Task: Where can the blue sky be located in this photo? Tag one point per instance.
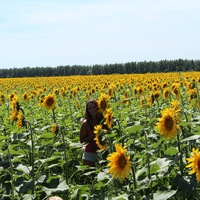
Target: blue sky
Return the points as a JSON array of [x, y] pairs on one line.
[[86, 32]]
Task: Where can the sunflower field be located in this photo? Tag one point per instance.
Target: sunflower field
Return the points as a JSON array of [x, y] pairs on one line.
[[149, 151]]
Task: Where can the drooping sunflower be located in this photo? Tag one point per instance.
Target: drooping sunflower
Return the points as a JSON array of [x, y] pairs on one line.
[[20, 119], [100, 141], [151, 99], [194, 163], [176, 91], [109, 118], [166, 93], [49, 102], [15, 109], [119, 163], [168, 124], [103, 103], [54, 129]]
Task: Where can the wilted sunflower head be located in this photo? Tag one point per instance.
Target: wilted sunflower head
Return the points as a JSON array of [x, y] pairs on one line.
[[119, 163], [49, 102], [168, 124], [54, 129], [20, 119], [194, 163], [109, 118], [103, 102]]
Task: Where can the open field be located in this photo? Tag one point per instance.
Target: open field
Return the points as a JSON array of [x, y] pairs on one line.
[[154, 117]]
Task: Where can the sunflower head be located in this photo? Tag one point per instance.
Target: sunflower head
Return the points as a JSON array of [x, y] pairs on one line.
[[109, 118], [103, 102], [166, 93], [54, 129], [168, 124], [175, 104], [119, 163], [2, 98], [20, 119], [100, 140], [49, 102], [25, 96], [194, 163]]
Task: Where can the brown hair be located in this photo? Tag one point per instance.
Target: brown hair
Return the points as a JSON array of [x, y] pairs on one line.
[[88, 116]]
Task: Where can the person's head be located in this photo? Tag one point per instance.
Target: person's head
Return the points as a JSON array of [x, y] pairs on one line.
[[91, 109]]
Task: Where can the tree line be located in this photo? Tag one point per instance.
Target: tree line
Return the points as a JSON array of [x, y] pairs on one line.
[[179, 65]]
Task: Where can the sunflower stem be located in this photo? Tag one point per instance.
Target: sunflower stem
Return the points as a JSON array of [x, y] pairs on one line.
[[65, 155], [181, 155], [54, 116], [11, 165], [70, 110], [32, 157], [11, 173], [134, 181], [148, 163]]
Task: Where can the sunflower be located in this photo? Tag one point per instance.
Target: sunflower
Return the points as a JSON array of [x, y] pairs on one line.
[[20, 119], [144, 102], [156, 94], [166, 93], [176, 91], [102, 144], [25, 96], [194, 163], [151, 99], [54, 129], [12, 96], [109, 118], [103, 102], [2, 98], [168, 124], [15, 109], [119, 163], [175, 105], [49, 102]]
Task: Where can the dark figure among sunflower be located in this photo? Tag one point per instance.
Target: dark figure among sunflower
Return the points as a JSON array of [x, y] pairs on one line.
[[92, 118]]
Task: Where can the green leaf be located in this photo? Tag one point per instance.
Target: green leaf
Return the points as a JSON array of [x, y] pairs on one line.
[[154, 168], [61, 187], [24, 168], [134, 128], [162, 195], [28, 196], [46, 135], [121, 197], [49, 159], [171, 151], [101, 176], [3, 137], [193, 137], [130, 141]]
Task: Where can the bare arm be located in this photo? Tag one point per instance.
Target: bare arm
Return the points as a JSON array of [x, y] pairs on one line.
[[83, 133]]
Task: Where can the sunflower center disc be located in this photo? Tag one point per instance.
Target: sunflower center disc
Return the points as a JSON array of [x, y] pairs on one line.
[[169, 123]]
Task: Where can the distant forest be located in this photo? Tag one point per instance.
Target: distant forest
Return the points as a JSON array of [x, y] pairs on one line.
[[179, 65]]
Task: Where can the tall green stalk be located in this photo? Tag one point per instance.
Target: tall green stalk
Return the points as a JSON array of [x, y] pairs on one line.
[[148, 163], [32, 157], [10, 162]]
